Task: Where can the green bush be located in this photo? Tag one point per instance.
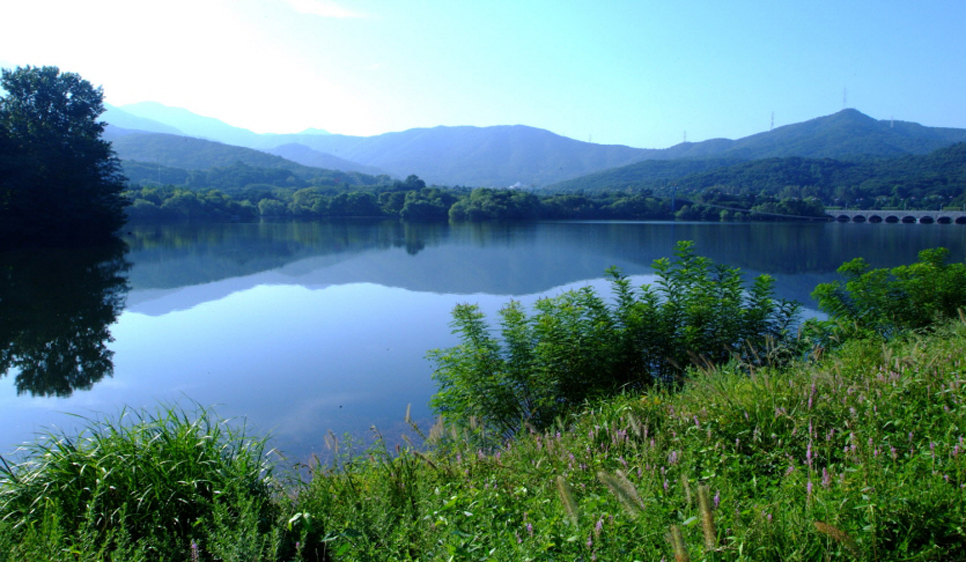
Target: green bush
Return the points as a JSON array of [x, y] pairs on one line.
[[578, 346], [886, 301]]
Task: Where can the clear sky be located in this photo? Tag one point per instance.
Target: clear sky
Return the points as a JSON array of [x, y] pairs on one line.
[[639, 73]]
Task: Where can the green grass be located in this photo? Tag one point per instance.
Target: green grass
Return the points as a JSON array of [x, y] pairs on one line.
[[138, 486], [858, 455]]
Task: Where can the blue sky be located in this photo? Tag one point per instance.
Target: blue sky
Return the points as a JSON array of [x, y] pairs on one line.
[[615, 72]]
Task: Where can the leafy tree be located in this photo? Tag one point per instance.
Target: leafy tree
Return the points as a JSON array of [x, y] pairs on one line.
[[60, 179], [577, 345]]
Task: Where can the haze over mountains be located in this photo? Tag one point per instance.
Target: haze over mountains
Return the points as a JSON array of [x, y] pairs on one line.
[[498, 156]]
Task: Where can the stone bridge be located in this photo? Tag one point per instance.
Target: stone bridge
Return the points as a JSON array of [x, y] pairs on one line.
[[899, 217]]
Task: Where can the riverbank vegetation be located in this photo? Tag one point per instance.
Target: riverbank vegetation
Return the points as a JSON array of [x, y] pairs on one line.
[[852, 450]]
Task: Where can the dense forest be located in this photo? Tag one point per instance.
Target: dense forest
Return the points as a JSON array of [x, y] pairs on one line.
[[928, 181], [413, 200]]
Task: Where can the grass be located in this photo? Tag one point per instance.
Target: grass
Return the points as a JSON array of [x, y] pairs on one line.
[[858, 455], [138, 486]]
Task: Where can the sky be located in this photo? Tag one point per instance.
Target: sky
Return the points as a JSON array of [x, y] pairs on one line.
[[642, 73]]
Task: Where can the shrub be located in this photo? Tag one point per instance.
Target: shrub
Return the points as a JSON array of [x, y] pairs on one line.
[[887, 301], [578, 346]]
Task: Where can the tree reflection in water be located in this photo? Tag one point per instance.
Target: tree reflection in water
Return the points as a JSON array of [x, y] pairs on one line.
[[56, 309]]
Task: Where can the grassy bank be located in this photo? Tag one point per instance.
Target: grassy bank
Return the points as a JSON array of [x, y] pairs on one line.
[[856, 456]]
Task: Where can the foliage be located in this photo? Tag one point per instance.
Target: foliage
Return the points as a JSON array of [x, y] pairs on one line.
[[160, 480], [577, 346], [58, 179], [888, 301], [859, 456]]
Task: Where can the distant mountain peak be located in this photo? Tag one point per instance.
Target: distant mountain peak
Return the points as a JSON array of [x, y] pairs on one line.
[[314, 131]]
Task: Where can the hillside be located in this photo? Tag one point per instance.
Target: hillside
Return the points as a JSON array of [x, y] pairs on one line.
[[306, 156], [916, 181], [479, 156], [196, 154]]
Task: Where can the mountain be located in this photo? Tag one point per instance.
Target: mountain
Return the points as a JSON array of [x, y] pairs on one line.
[[117, 117], [497, 156], [192, 124], [501, 156], [308, 157], [475, 156], [180, 155], [846, 135]]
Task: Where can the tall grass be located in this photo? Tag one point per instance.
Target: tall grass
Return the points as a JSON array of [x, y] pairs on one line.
[[155, 485]]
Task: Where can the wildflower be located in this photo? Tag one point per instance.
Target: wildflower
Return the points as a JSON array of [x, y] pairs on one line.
[[826, 478], [717, 498], [599, 526], [529, 528]]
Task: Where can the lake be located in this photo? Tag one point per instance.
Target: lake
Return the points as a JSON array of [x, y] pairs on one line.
[[305, 327]]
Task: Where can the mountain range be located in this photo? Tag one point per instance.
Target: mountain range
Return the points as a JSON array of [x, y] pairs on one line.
[[499, 156]]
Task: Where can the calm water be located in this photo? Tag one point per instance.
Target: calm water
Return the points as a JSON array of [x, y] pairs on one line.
[[302, 328]]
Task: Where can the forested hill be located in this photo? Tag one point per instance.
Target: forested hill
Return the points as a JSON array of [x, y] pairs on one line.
[[918, 181], [177, 160], [847, 133]]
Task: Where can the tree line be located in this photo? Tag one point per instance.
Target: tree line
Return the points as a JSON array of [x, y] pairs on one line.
[[413, 200]]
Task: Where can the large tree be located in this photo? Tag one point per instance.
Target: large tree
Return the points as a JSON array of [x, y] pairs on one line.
[[58, 178]]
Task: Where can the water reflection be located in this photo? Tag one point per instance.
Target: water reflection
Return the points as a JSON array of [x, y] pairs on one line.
[[56, 307]]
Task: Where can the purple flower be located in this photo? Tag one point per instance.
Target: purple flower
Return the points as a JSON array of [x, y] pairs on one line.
[[530, 528], [826, 478], [717, 498]]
